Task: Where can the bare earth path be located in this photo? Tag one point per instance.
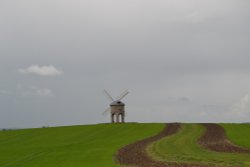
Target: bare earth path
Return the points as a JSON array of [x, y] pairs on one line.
[[215, 139], [135, 154]]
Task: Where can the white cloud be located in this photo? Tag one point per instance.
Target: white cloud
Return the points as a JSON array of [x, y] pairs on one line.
[[41, 70], [242, 108], [44, 92], [36, 91]]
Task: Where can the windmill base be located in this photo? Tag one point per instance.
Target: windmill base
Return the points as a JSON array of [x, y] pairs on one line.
[[117, 116]]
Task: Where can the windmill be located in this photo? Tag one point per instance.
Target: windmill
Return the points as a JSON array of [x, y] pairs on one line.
[[117, 107]]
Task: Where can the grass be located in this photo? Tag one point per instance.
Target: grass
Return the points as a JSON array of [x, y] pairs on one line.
[[96, 145], [183, 148], [238, 134], [73, 146]]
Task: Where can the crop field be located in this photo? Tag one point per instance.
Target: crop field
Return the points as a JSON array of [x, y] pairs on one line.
[[73, 146], [183, 147], [104, 145], [238, 133]]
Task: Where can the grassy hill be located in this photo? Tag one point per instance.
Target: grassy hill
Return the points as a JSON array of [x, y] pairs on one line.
[[96, 145], [73, 146], [183, 148], [238, 134]]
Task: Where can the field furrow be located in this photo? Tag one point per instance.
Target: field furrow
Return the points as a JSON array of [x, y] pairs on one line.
[[215, 139], [135, 154], [109, 145], [184, 147]]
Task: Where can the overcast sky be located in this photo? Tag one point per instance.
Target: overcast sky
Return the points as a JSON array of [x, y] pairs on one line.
[[181, 60]]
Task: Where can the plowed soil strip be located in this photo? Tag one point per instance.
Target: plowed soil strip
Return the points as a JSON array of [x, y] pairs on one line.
[[135, 154], [215, 139]]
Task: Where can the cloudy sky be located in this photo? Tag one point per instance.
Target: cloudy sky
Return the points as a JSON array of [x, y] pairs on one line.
[[181, 60]]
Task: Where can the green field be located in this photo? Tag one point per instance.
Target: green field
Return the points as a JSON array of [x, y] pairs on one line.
[[73, 146], [239, 134], [96, 145], [183, 147]]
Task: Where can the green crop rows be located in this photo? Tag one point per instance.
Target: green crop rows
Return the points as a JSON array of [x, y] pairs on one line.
[[75, 146], [183, 147], [96, 145]]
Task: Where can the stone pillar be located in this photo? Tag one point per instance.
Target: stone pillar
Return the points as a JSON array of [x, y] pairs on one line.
[[112, 118], [117, 118], [122, 115]]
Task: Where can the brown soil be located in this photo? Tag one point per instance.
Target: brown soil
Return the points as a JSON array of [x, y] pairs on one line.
[[135, 154], [215, 139]]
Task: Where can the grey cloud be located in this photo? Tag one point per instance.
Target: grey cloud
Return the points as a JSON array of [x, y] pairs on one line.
[[175, 57], [4, 92], [35, 91]]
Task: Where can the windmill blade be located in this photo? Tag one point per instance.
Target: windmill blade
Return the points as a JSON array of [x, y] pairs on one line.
[[108, 95], [106, 111], [122, 95]]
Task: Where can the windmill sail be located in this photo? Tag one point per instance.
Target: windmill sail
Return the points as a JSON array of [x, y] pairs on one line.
[[106, 111], [122, 95], [108, 95]]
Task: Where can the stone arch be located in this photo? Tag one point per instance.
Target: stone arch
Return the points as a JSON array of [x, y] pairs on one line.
[[117, 118], [122, 117], [112, 118]]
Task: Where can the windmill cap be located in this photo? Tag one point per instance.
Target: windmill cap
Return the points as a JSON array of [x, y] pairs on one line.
[[117, 103]]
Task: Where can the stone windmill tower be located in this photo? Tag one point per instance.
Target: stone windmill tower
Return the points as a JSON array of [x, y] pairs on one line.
[[117, 108]]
